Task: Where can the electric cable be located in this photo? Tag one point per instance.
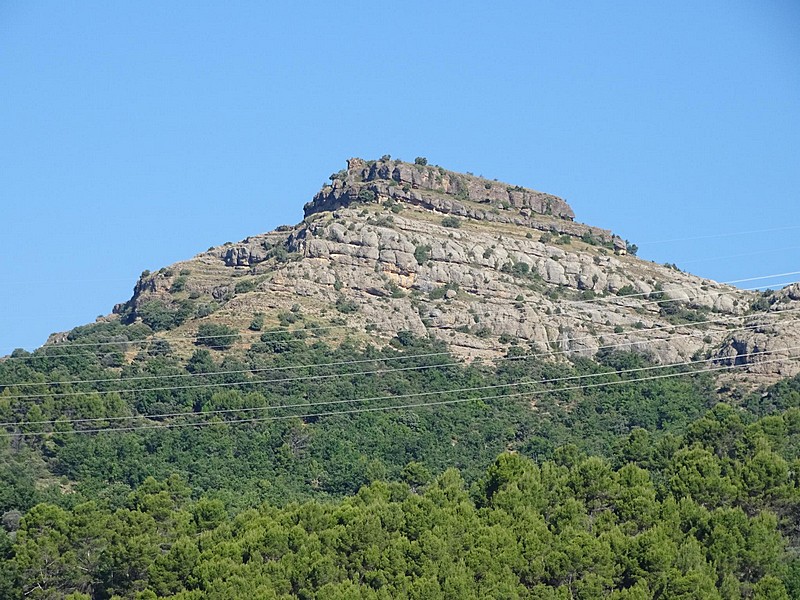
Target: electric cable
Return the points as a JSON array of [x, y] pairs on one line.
[[719, 235], [371, 409], [411, 395], [275, 331], [343, 374], [358, 327], [410, 356]]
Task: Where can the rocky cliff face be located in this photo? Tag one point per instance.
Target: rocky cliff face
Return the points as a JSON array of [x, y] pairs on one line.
[[442, 191], [391, 247]]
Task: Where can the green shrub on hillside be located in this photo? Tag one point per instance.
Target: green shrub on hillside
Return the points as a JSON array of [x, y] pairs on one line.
[[244, 286], [257, 324], [216, 336], [422, 253], [178, 284], [346, 306], [161, 316], [451, 221], [366, 195]]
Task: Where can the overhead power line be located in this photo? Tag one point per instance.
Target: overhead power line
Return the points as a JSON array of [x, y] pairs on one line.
[[410, 395], [719, 235], [275, 331], [342, 374], [724, 320], [708, 293], [714, 292], [157, 338], [659, 302], [742, 255], [375, 409]]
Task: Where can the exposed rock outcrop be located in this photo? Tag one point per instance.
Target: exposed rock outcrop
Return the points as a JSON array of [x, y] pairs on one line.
[[442, 191], [377, 255]]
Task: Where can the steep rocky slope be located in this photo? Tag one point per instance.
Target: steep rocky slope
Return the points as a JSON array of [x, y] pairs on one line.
[[390, 247]]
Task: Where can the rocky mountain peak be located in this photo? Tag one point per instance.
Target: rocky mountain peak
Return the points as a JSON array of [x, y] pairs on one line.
[[462, 195], [420, 183], [390, 248]]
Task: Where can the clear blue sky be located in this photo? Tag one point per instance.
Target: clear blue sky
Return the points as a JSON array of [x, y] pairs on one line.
[[133, 135]]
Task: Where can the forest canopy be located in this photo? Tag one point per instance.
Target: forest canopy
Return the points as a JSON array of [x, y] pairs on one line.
[[240, 478]]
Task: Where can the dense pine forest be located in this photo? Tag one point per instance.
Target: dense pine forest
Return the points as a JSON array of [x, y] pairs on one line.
[[312, 467]]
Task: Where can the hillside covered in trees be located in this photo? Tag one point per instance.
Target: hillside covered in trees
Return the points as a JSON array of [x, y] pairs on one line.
[[617, 478]]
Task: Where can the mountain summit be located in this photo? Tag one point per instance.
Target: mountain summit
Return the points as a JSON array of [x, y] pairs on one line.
[[391, 248]]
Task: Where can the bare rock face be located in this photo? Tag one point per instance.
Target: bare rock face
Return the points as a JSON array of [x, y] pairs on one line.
[[770, 341], [442, 191], [377, 255]]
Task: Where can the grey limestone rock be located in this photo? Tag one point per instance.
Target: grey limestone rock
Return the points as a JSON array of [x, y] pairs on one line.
[[392, 266]]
